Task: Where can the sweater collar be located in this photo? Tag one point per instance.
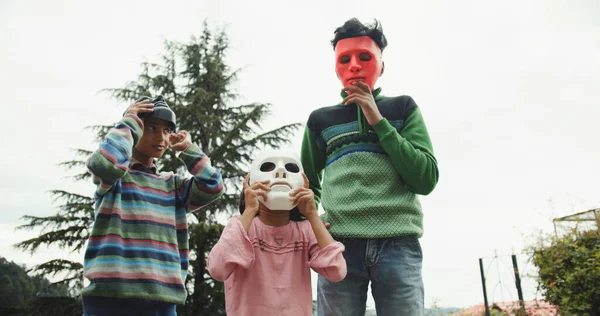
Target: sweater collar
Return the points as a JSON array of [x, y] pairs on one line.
[[137, 165]]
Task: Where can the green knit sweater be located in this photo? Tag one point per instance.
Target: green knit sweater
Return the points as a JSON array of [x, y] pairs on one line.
[[368, 177]]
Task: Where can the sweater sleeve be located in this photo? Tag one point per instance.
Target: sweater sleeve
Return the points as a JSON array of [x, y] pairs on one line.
[[233, 251], [313, 162], [327, 261], [411, 152], [110, 161], [206, 184]]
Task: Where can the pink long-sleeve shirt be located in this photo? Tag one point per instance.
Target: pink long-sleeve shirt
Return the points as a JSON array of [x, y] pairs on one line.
[[267, 270]]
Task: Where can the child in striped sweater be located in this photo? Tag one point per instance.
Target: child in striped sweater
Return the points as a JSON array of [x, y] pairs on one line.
[[137, 253]]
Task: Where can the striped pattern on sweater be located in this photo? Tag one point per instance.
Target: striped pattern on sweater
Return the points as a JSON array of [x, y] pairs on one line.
[[138, 246], [367, 178]]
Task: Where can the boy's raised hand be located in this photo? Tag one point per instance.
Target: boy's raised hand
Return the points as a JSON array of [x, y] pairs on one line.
[[141, 107], [180, 141]]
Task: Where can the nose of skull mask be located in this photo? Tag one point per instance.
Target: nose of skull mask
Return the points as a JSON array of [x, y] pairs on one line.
[[283, 170]]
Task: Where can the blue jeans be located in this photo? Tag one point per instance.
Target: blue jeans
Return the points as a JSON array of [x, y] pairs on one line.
[[106, 306], [392, 265], [131, 312]]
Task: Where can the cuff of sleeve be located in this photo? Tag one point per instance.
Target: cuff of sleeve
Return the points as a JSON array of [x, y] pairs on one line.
[[383, 127], [191, 154], [137, 126], [136, 118], [387, 133], [326, 253]]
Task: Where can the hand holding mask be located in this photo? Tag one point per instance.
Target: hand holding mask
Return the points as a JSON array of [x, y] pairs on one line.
[[304, 198]]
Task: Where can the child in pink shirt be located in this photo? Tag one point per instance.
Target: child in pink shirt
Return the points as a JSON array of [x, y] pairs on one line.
[[264, 255]]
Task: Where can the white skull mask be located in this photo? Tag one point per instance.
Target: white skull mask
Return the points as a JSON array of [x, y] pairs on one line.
[[284, 171]]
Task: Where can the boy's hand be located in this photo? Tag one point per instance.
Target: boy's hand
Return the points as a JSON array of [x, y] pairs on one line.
[[180, 141], [141, 107], [304, 198], [362, 95], [251, 194]]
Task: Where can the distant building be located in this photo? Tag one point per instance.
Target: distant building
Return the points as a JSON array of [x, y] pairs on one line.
[[533, 308]]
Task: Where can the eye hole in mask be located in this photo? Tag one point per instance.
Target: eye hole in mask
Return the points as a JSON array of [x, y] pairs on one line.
[[292, 167], [267, 166]]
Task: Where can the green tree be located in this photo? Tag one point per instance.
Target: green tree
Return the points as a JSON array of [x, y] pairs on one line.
[[68, 229], [19, 289], [196, 82], [569, 271]]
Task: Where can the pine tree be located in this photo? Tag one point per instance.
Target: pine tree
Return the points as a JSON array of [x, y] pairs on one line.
[[69, 228]]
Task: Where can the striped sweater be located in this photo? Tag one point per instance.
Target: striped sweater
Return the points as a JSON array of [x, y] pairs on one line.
[[368, 177], [138, 247]]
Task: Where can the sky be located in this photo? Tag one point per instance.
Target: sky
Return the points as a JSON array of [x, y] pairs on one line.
[[508, 90]]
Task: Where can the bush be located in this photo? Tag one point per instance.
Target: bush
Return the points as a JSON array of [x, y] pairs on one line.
[[569, 271]]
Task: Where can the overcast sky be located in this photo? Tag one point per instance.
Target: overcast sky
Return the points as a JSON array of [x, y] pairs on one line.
[[508, 89]]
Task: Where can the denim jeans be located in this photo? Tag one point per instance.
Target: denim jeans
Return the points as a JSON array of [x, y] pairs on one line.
[[391, 265], [105, 306], [132, 312]]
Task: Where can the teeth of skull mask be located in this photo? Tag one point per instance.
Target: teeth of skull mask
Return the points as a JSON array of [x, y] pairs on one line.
[[284, 171]]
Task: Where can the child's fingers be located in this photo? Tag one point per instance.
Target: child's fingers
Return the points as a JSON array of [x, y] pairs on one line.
[[263, 194], [260, 185], [246, 181], [294, 192], [256, 193], [300, 196], [297, 191]]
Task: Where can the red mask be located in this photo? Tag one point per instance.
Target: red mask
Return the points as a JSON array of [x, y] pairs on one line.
[[358, 59]]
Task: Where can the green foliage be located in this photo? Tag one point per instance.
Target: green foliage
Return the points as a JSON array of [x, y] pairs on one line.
[[569, 271], [17, 287], [50, 306], [69, 229]]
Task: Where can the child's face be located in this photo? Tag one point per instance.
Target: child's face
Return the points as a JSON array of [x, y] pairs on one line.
[[155, 139]]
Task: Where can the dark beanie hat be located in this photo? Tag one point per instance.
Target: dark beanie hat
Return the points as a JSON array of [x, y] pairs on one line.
[[161, 111]]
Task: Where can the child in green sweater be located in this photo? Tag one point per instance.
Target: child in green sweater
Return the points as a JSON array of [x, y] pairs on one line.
[[367, 159]]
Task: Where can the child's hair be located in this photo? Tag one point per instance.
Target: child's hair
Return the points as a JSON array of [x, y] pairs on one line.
[[295, 214], [355, 28]]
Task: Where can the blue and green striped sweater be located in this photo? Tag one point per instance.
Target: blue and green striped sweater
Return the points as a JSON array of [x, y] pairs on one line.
[[138, 247], [368, 178]]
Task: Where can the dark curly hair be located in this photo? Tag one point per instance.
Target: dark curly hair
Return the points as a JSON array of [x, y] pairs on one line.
[[355, 28], [295, 214]]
